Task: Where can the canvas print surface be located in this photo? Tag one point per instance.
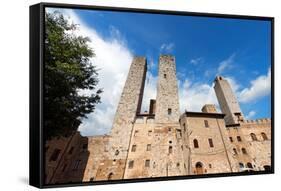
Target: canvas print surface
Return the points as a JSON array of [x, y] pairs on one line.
[[132, 95]]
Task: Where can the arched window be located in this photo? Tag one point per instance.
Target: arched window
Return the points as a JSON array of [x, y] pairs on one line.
[[267, 168], [244, 151], [264, 137], [199, 168], [110, 175], [249, 165], [234, 151], [241, 165], [195, 143], [254, 137], [170, 149]]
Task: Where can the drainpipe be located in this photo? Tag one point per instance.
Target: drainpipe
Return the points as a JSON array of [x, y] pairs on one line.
[[224, 146]]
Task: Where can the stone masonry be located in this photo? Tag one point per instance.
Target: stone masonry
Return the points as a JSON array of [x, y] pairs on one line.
[[163, 142], [228, 102]]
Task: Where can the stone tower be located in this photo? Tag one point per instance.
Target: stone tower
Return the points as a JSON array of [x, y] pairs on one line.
[[167, 100], [129, 106], [228, 102]]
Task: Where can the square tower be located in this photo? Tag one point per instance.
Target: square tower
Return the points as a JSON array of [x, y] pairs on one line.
[[228, 102], [129, 106], [167, 99]]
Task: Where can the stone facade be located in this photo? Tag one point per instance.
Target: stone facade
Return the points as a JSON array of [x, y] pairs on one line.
[[228, 102], [163, 142]]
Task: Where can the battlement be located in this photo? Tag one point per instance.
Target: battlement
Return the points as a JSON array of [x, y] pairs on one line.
[[262, 120]]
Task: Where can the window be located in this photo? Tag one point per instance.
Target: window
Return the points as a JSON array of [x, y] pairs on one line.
[[234, 151], [178, 164], [134, 147], [85, 147], [230, 138], [249, 165], [210, 165], [55, 155], [149, 133], [76, 164], [206, 123], [169, 129], [264, 137], [148, 147], [184, 128], [267, 168], [179, 135], [241, 165], [165, 75], [239, 138], [195, 143], [170, 149], [170, 142], [70, 150], [211, 142], [117, 152], [244, 151], [199, 168], [131, 164], [254, 137], [92, 179], [147, 163], [136, 133], [169, 111], [110, 175]]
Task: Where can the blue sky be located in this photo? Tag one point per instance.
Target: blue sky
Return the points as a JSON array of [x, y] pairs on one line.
[[203, 47]]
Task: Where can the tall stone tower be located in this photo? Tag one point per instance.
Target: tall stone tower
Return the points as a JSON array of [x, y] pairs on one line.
[[167, 100], [228, 102], [129, 106]]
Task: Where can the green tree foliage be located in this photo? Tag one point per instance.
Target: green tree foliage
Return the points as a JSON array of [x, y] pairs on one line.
[[68, 72]]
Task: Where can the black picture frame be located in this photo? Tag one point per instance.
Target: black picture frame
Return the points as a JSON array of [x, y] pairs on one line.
[[36, 136]]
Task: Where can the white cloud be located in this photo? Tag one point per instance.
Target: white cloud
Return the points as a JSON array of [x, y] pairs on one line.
[[113, 58], [250, 115], [233, 84], [149, 91], [193, 96], [260, 87], [226, 64], [196, 61], [167, 47]]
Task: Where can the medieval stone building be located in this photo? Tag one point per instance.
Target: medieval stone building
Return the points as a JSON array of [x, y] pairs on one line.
[[163, 142]]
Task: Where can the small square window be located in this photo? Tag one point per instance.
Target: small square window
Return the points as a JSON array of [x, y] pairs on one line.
[[85, 147], [211, 142], [230, 138], [206, 123], [131, 164], [239, 138], [148, 147], [170, 149], [147, 163], [169, 111], [134, 148]]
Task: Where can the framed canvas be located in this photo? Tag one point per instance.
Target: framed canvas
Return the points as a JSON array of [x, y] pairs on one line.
[[126, 95]]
